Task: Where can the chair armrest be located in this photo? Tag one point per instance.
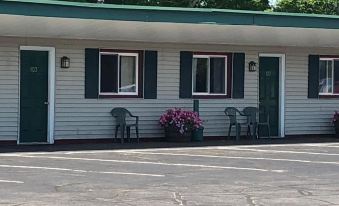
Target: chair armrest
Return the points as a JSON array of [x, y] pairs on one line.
[[242, 113], [136, 118], [247, 117]]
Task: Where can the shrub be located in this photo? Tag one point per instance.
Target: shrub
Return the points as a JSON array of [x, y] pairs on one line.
[[182, 121], [335, 118]]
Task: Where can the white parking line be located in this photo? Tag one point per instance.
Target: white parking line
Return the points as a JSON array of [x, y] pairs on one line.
[[235, 157], [334, 145], [42, 168], [291, 145], [127, 173], [329, 146], [154, 163], [11, 181], [206, 148], [282, 151], [79, 171]]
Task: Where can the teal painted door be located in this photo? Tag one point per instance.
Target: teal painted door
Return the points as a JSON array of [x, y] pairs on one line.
[[33, 96], [269, 93]]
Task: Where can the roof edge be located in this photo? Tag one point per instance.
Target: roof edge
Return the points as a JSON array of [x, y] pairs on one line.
[[64, 9], [159, 8]]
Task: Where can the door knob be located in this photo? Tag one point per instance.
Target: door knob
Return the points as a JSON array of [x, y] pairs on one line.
[[46, 103]]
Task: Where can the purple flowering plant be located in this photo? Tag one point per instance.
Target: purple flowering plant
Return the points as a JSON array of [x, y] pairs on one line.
[[335, 118], [181, 120]]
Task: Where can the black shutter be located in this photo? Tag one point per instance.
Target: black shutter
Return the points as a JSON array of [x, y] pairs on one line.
[[238, 75], [186, 59], [313, 76], [91, 73], [150, 74]]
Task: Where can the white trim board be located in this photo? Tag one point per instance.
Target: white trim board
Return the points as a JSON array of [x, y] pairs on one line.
[[51, 90], [282, 74]]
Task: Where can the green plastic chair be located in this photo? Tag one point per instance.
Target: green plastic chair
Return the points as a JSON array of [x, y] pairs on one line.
[[120, 114], [232, 112], [252, 120], [264, 123]]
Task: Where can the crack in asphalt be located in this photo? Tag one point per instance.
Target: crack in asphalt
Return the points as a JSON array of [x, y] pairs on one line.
[[304, 192], [58, 188], [250, 200], [324, 201], [178, 199]]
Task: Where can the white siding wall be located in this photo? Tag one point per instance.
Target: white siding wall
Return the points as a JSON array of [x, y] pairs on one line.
[[303, 115], [78, 118], [9, 91]]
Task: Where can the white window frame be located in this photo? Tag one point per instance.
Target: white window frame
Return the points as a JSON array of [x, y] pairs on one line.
[[329, 59], [136, 55], [201, 56]]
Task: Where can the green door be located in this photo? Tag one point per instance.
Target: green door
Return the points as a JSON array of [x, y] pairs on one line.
[[269, 93], [33, 96]]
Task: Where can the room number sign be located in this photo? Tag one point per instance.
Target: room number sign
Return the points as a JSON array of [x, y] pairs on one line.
[[34, 69]]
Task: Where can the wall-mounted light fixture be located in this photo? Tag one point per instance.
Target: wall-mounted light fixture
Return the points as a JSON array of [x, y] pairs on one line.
[[65, 62], [252, 66]]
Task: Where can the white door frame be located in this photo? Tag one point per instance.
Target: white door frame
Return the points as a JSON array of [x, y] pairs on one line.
[[282, 73], [51, 90]]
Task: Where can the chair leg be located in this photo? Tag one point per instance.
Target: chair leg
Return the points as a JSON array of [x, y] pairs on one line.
[[229, 131], [254, 131], [255, 127], [116, 133], [128, 129], [238, 128], [252, 134], [122, 129], [248, 131], [137, 132]]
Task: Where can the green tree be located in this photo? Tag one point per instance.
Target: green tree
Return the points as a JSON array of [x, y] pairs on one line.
[[219, 4], [308, 6], [259, 5]]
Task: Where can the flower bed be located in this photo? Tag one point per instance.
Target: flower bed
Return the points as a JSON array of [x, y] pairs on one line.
[[179, 124]]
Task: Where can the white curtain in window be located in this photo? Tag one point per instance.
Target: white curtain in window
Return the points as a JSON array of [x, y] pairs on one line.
[[127, 74]]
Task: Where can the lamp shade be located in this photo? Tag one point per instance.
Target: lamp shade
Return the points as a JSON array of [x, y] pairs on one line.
[[65, 62], [252, 66]]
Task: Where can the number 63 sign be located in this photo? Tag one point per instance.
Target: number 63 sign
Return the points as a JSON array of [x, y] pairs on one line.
[[34, 69]]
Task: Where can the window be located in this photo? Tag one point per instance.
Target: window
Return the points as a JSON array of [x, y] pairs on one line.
[[119, 73], [210, 75], [329, 76]]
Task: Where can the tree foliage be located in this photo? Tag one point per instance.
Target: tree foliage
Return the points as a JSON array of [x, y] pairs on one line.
[[296, 6], [308, 6], [219, 4], [259, 5]]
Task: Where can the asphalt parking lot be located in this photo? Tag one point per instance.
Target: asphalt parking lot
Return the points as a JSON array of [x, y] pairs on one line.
[[254, 175]]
